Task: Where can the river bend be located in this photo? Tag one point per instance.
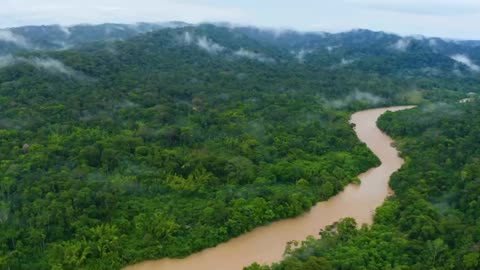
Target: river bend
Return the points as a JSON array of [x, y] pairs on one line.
[[266, 244]]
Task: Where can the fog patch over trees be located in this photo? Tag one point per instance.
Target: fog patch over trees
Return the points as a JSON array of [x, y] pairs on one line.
[[252, 55], [9, 36], [356, 96], [48, 64], [401, 45], [465, 60]]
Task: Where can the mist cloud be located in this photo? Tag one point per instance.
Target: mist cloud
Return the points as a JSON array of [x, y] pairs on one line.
[[433, 43], [6, 61], [300, 55], [356, 96], [401, 45], [209, 46], [52, 65], [65, 30], [331, 48], [48, 64], [8, 36], [187, 38], [465, 60], [252, 55], [346, 62], [202, 42]]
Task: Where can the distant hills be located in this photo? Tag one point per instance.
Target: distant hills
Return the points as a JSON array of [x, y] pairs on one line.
[[360, 49], [57, 37]]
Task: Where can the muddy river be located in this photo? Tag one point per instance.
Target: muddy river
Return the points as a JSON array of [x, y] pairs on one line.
[[266, 244]]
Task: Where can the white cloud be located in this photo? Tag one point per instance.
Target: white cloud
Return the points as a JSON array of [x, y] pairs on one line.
[[6, 61], [65, 30], [209, 46], [346, 62], [331, 48], [356, 96], [48, 64], [401, 45], [52, 65], [300, 55], [187, 38], [8, 36], [202, 42], [212, 47], [464, 59], [252, 55]]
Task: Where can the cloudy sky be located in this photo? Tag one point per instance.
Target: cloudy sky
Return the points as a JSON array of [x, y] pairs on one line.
[[444, 18]]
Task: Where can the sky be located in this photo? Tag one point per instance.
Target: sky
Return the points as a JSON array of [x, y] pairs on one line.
[[459, 19]]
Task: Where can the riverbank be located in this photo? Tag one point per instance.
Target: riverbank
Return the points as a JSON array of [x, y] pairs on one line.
[[266, 244]]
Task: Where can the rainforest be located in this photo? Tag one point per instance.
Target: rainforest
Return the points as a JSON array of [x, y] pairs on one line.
[[152, 141]]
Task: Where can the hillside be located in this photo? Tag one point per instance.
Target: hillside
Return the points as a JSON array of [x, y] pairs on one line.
[[125, 143], [58, 37], [368, 52]]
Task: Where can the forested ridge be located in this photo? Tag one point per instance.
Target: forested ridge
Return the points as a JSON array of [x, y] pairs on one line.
[[432, 221], [176, 140]]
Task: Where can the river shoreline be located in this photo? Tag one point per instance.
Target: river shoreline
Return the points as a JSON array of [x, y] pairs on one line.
[[266, 244]]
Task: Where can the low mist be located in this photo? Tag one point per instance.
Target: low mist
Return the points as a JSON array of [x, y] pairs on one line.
[[48, 64], [9, 36], [252, 55], [203, 43], [401, 45], [356, 96], [465, 60]]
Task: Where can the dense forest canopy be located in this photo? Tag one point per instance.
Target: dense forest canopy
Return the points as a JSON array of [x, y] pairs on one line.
[[162, 143]]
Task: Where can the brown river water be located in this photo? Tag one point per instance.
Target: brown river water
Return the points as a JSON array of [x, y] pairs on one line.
[[266, 244]]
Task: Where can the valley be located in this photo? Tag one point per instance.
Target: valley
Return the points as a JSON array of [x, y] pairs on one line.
[[179, 145]]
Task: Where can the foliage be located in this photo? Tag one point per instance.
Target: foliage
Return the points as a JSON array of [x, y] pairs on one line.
[[116, 152]]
